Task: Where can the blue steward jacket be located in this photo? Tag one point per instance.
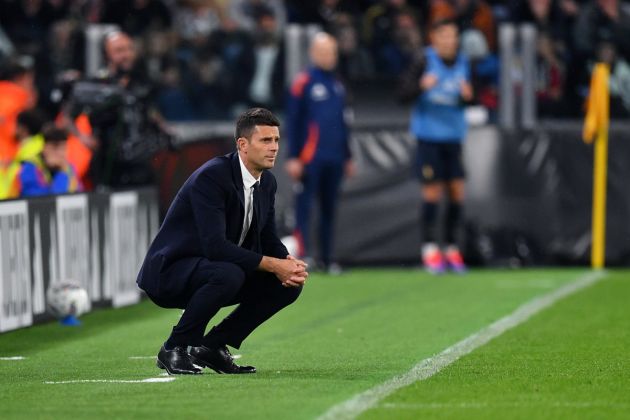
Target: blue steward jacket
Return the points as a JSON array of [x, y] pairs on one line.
[[316, 125]]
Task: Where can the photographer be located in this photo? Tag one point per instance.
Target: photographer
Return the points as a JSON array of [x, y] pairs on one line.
[[127, 128]]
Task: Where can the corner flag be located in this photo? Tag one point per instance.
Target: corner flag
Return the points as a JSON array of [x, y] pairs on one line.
[[596, 129]]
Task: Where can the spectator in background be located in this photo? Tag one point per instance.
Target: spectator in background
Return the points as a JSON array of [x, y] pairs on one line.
[[135, 17], [267, 82], [550, 76], [602, 34], [66, 46], [197, 66], [470, 15], [319, 152], [157, 48], [553, 20], [571, 9], [322, 12], [439, 82], [48, 172], [603, 22], [173, 100], [546, 15], [355, 62], [28, 133], [17, 93], [195, 20], [30, 144], [405, 40], [28, 24], [246, 12], [552, 51], [378, 20], [379, 25], [233, 47]]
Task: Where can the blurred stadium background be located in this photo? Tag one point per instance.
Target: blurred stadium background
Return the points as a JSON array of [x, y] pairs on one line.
[[528, 205]]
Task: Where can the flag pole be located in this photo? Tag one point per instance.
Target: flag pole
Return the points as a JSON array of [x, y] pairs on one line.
[[600, 169]]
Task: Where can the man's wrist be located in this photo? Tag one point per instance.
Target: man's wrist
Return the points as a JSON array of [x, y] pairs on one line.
[[268, 264]]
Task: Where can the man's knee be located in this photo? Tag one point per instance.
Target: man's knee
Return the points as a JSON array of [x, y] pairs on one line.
[[229, 276], [290, 294]]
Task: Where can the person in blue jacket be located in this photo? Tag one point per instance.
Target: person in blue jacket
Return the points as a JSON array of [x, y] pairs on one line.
[[319, 152], [439, 83], [48, 172]]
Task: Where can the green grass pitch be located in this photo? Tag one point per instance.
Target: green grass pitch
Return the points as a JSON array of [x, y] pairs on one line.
[[344, 335]]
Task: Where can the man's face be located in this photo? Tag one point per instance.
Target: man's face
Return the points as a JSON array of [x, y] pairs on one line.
[[121, 53], [21, 132], [267, 24], [55, 155], [445, 40], [324, 53], [261, 150]]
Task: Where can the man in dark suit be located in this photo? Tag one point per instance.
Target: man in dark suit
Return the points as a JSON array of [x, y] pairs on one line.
[[218, 247]]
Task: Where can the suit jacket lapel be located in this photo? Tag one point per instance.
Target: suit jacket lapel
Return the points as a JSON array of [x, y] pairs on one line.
[[237, 177], [257, 199]]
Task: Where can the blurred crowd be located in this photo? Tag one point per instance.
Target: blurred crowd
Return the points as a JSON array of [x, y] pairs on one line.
[[211, 59]]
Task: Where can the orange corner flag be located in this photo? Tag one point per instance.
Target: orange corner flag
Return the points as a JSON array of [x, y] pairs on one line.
[[596, 119]]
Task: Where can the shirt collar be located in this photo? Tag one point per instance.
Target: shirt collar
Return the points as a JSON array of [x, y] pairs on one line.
[[248, 178]]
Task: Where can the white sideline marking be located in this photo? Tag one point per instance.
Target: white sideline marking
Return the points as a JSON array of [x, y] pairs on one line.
[[13, 358], [441, 406], [426, 368], [111, 381]]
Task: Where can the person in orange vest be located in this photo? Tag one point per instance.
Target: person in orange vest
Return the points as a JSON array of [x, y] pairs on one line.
[[81, 144], [17, 93], [48, 172]]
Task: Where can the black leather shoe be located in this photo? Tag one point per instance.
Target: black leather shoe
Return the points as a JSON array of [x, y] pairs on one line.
[[176, 362], [218, 359]]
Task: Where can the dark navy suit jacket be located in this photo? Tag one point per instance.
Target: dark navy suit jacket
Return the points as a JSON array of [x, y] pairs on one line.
[[204, 221]]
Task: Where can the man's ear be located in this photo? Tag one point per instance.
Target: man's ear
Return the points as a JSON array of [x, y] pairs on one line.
[[240, 142]]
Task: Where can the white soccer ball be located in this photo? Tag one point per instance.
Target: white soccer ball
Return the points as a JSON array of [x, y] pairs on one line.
[[291, 243], [67, 298]]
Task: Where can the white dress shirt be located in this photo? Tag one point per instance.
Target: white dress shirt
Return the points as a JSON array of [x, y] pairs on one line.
[[248, 192]]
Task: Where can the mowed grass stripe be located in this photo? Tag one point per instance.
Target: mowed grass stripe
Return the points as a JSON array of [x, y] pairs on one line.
[[344, 335], [426, 368], [568, 362]]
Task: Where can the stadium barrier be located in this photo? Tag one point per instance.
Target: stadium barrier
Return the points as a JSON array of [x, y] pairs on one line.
[[97, 240], [528, 199]]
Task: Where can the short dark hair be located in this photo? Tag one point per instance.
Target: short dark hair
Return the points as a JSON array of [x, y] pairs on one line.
[[53, 134], [251, 118], [31, 119], [262, 11], [438, 23]]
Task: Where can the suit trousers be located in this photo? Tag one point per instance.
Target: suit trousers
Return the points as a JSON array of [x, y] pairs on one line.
[[214, 285], [322, 181]]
